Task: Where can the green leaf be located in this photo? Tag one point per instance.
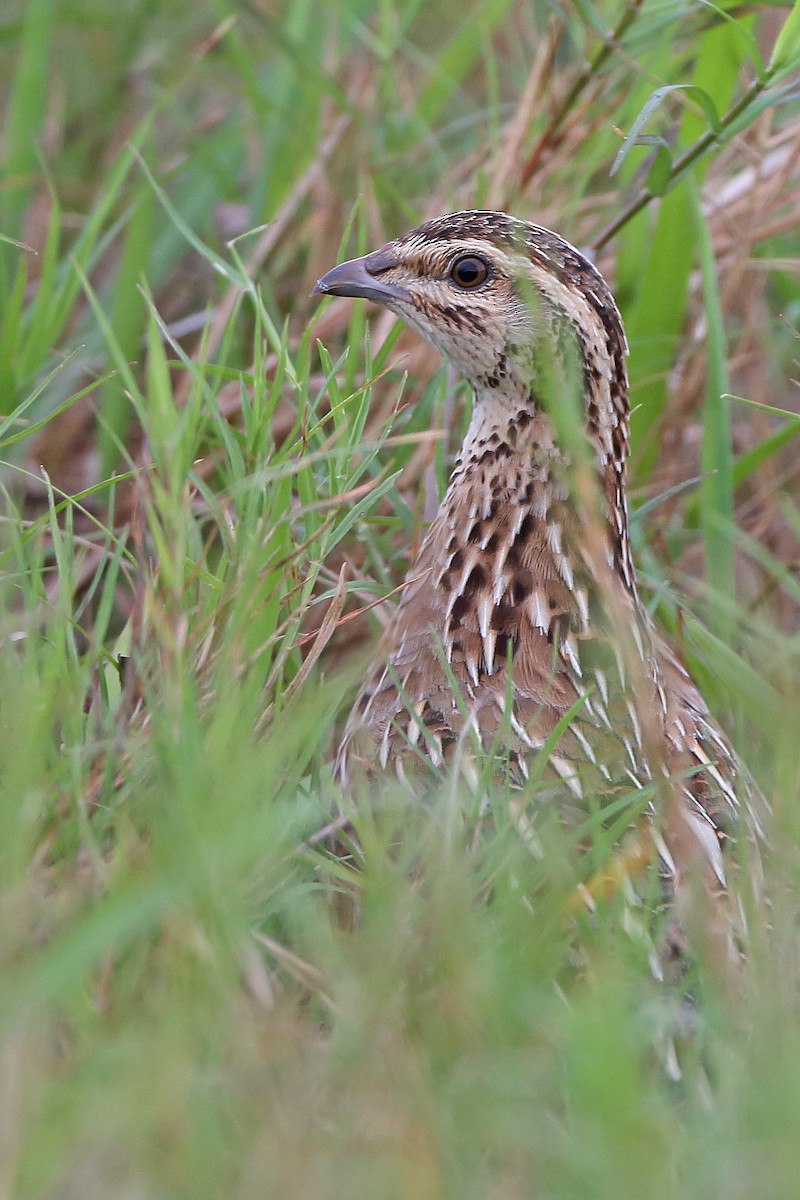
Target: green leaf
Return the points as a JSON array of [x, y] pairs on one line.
[[26, 108], [743, 34], [786, 51], [653, 101], [716, 487], [658, 177], [655, 321]]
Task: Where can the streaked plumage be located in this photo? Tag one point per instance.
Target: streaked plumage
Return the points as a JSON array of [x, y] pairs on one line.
[[522, 602]]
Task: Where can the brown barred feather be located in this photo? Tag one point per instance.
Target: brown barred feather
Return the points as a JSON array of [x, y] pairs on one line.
[[522, 602]]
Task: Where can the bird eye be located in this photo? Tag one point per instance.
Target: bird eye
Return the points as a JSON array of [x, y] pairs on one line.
[[469, 271]]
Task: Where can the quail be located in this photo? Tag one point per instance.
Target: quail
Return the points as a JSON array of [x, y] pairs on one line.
[[519, 630]]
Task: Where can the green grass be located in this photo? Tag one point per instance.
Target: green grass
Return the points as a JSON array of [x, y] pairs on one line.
[[209, 480]]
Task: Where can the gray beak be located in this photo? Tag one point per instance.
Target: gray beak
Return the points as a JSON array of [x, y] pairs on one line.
[[362, 277]]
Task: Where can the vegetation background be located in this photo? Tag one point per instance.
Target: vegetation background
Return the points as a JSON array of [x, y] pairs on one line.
[[211, 482]]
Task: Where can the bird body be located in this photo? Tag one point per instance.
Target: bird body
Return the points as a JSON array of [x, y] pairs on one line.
[[519, 625]]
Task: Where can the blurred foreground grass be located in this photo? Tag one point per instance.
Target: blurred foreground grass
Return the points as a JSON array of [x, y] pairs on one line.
[[203, 506]]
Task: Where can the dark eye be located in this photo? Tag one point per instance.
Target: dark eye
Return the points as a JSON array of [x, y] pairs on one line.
[[469, 271]]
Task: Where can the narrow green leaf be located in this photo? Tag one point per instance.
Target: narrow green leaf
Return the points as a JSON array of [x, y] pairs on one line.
[[128, 319], [219, 264], [743, 35], [29, 430], [26, 108], [658, 177], [655, 322], [698, 94], [16, 416], [9, 338], [38, 339], [786, 51], [716, 488]]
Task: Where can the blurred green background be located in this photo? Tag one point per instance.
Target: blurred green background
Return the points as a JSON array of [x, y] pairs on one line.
[[211, 483]]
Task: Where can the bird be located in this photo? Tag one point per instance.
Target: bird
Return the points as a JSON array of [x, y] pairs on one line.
[[520, 632]]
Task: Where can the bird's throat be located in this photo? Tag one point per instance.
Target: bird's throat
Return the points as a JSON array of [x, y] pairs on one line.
[[512, 473]]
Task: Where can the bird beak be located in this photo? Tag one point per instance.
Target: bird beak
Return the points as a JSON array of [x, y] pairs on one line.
[[361, 277]]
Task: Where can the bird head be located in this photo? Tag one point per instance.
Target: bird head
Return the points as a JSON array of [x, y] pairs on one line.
[[495, 296]]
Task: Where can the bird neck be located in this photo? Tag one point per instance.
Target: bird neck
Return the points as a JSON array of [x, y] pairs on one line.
[[512, 454]]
